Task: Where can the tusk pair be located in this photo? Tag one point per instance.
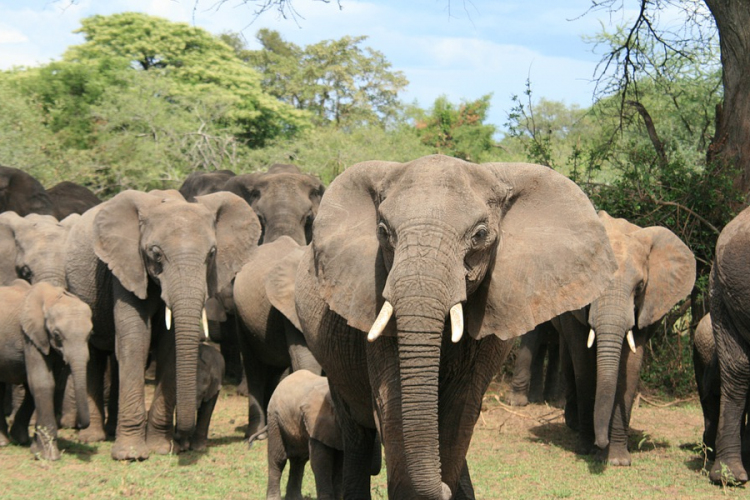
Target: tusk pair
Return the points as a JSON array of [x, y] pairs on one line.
[[456, 314], [168, 320], [592, 336]]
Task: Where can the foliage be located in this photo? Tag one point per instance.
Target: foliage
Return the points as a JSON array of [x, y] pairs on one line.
[[456, 130], [339, 81], [198, 63]]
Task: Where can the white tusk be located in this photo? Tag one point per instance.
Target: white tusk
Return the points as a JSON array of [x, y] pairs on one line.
[[380, 322], [631, 341], [457, 323], [204, 322], [168, 318], [592, 336]]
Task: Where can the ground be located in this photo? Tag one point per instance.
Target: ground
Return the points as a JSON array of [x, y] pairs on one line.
[[515, 453]]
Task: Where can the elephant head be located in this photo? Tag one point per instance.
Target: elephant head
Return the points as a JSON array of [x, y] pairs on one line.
[[36, 244], [285, 200], [511, 245], [655, 270], [54, 318], [190, 250]]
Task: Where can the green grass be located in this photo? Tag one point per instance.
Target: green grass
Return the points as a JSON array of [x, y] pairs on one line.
[[515, 453]]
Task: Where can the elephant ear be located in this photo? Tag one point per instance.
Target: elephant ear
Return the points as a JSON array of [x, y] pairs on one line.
[[33, 315], [237, 233], [320, 417], [671, 274], [347, 262], [279, 281], [11, 220], [553, 256], [245, 186], [70, 220], [117, 236], [617, 224]]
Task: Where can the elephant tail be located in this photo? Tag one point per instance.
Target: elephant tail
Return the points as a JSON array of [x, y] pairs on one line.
[[258, 436]]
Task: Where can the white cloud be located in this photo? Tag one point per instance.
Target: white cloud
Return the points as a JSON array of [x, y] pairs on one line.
[[12, 36]]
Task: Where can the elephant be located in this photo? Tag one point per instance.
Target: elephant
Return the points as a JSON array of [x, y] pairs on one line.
[[42, 327], [200, 183], [398, 247], [71, 198], [706, 367], [729, 301], [138, 254], [655, 271], [209, 377], [22, 193], [302, 426], [530, 382], [267, 325]]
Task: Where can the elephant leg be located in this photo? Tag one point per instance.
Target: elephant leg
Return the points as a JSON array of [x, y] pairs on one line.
[[4, 439], [359, 445], [323, 464], [19, 431], [160, 429], [65, 392], [294, 483], [522, 369], [94, 385], [132, 340], [199, 441], [734, 366], [230, 349], [257, 379], [302, 358], [277, 458], [568, 386], [554, 383], [338, 473], [465, 487], [112, 389], [41, 386]]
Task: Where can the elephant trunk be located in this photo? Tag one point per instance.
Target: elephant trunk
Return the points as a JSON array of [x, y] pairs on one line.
[[284, 224], [78, 373], [55, 276]]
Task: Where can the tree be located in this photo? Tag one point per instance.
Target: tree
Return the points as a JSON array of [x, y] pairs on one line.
[[339, 81], [197, 62]]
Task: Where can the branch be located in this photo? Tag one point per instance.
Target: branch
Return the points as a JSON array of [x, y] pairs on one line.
[[683, 207], [658, 145]]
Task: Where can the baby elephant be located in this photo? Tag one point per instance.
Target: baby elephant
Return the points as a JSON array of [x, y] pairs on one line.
[[301, 426], [42, 329]]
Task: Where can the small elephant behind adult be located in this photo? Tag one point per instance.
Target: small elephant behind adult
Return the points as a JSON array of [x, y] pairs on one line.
[[302, 426], [42, 328], [531, 382], [71, 198], [199, 183]]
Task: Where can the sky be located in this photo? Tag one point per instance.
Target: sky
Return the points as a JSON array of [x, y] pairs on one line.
[[462, 49]]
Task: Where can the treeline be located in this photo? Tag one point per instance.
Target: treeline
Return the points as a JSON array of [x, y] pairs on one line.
[[144, 101]]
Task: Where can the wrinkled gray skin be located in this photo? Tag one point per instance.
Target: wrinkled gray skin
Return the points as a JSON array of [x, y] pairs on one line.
[[425, 236], [730, 315], [70, 198], [210, 374], [706, 367], [655, 271], [268, 327], [42, 327], [531, 382], [302, 426], [22, 193], [128, 258]]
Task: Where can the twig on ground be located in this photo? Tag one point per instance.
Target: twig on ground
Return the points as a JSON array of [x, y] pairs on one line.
[[667, 405]]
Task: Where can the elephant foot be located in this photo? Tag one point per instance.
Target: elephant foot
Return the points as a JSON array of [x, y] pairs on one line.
[[92, 434], [199, 443], [161, 445], [728, 472], [20, 434], [617, 457], [130, 449], [242, 388], [518, 399], [45, 449], [585, 446], [68, 421], [110, 428]]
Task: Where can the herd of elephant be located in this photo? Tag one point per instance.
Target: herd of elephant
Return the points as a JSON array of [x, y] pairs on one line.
[[404, 283]]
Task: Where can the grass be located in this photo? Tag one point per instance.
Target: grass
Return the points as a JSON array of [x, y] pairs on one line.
[[516, 453]]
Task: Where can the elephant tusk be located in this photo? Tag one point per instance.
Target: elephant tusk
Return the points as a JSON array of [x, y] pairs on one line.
[[457, 323], [168, 318], [592, 336], [631, 340], [204, 322], [380, 322]]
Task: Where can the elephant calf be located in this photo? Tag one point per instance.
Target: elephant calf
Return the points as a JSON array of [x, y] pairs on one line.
[[42, 327], [302, 426]]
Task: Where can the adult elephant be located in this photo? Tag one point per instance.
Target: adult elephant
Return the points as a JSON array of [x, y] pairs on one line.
[[655, 271], [71, 198], [511, 244], [285, 199], [22, 193], [268, 327], [200, 183], [531, 383], [706, 367], [730, 315], [128, 258]]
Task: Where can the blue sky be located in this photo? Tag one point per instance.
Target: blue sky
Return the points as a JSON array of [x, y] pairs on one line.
[[460, 48]]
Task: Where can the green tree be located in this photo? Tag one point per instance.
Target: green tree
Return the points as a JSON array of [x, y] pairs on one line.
[[199, 64]]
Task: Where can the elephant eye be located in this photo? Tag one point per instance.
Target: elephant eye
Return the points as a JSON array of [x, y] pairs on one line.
[[384, 234], [57, 339], [25, 273], [211, 253], [156, 253], [479, 236]]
